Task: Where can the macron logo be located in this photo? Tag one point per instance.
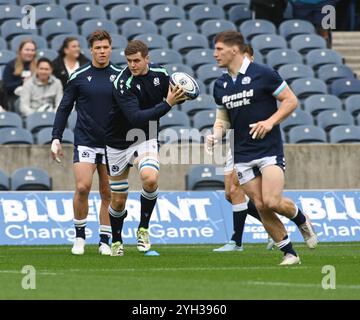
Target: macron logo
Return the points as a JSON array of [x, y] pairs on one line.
[[89, 78]]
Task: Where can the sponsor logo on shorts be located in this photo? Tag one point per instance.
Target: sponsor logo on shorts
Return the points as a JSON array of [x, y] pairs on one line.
[[115, 168], [85, 154]]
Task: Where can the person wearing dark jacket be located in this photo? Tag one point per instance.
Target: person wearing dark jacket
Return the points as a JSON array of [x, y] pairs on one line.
[[272, 10], [70, 58]]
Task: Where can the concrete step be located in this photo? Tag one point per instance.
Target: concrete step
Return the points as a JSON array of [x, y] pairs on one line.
[[347, 35]]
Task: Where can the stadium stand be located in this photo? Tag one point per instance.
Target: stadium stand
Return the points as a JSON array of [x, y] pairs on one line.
[[297, 118], [40, 41], [290, 28], [307, 134], [202, 102], [252, 28], [204, 12], [308, 86], [171, 28], [290, 72], [90, 25], [204, 177], [345, 134], [39, 120], [189, 41], [179, 134], [4, 181], [331, 72], [132, 28], [10, 119], [330, 118], [174, 118], [319, 102], [278, 57], [345, 87], [30, 178], [204, 119], [44, 136], [15, 136], [239, 13], [153, 40], [266, 42], [352, 104], [163, 12]]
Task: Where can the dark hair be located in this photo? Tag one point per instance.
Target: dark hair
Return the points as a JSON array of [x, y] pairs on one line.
[[135, 46], [231, 38], [43, 59], [65, 45], [98, 35], [248, 49]]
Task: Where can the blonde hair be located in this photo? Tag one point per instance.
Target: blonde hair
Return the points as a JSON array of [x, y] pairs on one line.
[[19, 64]]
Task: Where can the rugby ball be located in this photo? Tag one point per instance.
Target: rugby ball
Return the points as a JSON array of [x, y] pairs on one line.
[[187, 82]]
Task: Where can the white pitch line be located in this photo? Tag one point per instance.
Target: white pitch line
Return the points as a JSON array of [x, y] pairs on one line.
[[38, 273], [290, 284]]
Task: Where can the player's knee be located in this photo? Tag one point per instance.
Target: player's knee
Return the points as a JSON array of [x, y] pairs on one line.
[[83, 189], [271, 203], [259, 204], [149, 179], [118, 203]]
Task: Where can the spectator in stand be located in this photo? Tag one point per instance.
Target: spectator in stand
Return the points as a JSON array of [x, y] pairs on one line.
[[19, 69], [42, 92], [3, 104], [70, 58], [272, 10]]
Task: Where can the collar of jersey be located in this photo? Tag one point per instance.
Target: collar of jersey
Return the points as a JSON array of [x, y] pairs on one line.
[[244, 66]]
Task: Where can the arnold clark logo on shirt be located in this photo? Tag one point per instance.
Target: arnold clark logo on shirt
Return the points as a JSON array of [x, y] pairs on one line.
[[238, 99]]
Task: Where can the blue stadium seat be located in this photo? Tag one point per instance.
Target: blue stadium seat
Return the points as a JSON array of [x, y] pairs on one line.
[[203, 12], [331, 72], [6, 2], [49, 11], [307, 42], [171, 28], [202, 87], [278, 57], [161, 13], [205, 177], [38, 120], [47, 53], [54, 27], [57, 41], [8, 12], [4, 181], [345, 134], [118, 41], [44, 136], [123, 12], [2, 67], [83, 12], [13, 28], [118, 57], [15, 136], [188, 4], [197, 57], [165, 56], [153, 40], [179, 134], [10, 119], [352, 104], [252, 28], [330, 118], [227, 4], [30, 178], [291, 28], [318, 57], [239, 13], [179, 67], [297, 118], [108, 4], [68, 4], [72, 120], [267, 42], [202, 102], [210, 28], [319, 102], [308, 86], [39, 40], [90, 26], [290, 72], [204, 119], [185, 42], [3, 44], [36, 3], [307, 134], [208, 72], [174, 118], [345, 87], [132, 28], [148, 4], [6, 56]]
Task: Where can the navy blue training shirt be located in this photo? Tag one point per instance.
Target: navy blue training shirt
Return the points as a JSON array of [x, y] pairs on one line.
[[251, 98], [136, 101], [91, 89]]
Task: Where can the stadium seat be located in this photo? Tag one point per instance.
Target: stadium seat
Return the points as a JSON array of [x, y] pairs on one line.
[[179, 67], [49, 11], [208, 72], [12, 2], [118, 57], [163, 12], [44, 136], [132, 28], [318, 57], [205, 177], [47, 53], [258, 57], [202, 102], [174, 118], [179, 134], [57, 41], [15, 136], [89, 26], [266, 42], [188, 4], [308, 86], [10, 119], [3, 44], [108, 4], [227, 4], [118, 41], [153, 40], [12, 28], [30, 178], [331, 72], [297, 118], [185, 42], [197, 57], [239, 13], [320, 102], [345, 134], [210, 28], [39, 40], [54, 27], [290, 72], [252, 28], [6, 56], [148, 4], [165, 56], [204, 119], [330, 118], [4, 181], [2, 67], [38, 120], [8, 12], [83, 12], [203, 88], [123, 12], [203, 12], [72, 120], [171, 28], [278, 57], [68, 4], [307, 134], [36, 3], [307, 42], [291, 28], [345, 87], [352, 104]]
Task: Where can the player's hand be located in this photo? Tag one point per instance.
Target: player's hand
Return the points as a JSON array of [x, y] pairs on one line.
[[210, 143], [260, 129], [56, 150], [175, 95]]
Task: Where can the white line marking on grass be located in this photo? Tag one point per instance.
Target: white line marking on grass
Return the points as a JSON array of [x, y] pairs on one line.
[[38, 273], [291, 284]]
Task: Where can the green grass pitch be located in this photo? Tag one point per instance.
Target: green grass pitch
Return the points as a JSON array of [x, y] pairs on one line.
[[180, 272]]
